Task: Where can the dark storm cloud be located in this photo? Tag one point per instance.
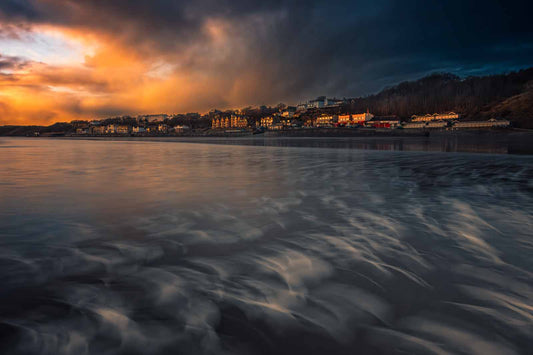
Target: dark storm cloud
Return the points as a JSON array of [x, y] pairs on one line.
[[11, 63], [15, 9], [306, 48]]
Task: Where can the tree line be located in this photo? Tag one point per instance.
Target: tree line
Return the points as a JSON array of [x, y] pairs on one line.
[[504, 96]]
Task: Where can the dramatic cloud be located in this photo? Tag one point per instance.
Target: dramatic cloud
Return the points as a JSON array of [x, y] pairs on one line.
[[11, 63], [66, 59]]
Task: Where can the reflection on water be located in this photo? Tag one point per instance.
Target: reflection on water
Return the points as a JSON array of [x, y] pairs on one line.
[[130, 247], [481, 142]]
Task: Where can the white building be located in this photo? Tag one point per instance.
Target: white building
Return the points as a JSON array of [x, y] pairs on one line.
[[438, 124], [319, 102], [492, 123], [139, 129], [415, 125], [435, 117], [180, 128]]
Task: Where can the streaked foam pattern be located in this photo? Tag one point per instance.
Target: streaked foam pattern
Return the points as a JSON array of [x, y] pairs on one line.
[[164, 247]]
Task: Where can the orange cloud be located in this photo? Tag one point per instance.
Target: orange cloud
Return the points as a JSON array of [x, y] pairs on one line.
[[117, 79]]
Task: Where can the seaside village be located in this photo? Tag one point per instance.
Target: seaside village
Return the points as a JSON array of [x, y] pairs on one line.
[[320, 113]]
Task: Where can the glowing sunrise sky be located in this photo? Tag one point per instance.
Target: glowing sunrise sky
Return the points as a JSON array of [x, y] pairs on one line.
[[72, 59]]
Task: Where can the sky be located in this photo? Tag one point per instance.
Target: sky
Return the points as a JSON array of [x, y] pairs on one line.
[[62, 60]]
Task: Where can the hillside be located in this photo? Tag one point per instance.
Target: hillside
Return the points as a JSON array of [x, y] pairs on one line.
[[517, 108], [507, 96]]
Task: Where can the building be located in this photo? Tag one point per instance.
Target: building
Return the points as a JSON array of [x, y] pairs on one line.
[[162, 128], [435, 117], [383, 122], [492, 123], [326, 121], [447, 116], [289, 112], [225, 122], [82, 131], [277, 126], [361, 118], [123, 129], [355, 119], [234, 121], [422, 118], [111, 129], [285, 123], [139, 130], [317, 103], [268, 122], [333, 102], [310, 122], [344, 119], [414, 125], [238, 121], [98, 130], [437, 124], [301, 107], [181, 128]]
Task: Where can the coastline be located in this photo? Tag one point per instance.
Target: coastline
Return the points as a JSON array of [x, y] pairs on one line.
[[510, 141], [306, 133]]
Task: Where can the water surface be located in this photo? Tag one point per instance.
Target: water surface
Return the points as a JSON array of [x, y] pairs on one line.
[[148, 247]]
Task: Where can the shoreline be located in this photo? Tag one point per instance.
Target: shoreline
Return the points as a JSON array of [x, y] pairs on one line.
[[307, 133], [512, 142]]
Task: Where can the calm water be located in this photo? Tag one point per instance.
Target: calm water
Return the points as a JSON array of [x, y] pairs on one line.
[[146, 247]]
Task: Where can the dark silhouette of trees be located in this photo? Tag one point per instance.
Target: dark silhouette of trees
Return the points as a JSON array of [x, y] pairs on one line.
[[473, 97]]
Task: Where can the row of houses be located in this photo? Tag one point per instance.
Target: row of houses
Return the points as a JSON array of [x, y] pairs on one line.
[[435, 117], [363, 119], [276, 123], [450, 120], [367, 119], [347, 120], [116, 129], [422, 125], [492, 123]]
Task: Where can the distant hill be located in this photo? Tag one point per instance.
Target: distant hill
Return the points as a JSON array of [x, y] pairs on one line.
[[507, 96]]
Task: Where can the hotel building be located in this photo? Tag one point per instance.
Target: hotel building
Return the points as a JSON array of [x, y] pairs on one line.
[[435, 117], [492, 123], [326, 121], [234, 121]]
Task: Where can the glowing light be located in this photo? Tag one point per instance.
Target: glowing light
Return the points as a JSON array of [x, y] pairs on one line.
[[47, 45]]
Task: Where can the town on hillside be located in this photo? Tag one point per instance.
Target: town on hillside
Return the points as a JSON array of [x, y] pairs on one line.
[[319, 114], [491, 102]]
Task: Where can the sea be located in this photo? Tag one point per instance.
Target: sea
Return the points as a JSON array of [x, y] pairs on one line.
[[265, 246]]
